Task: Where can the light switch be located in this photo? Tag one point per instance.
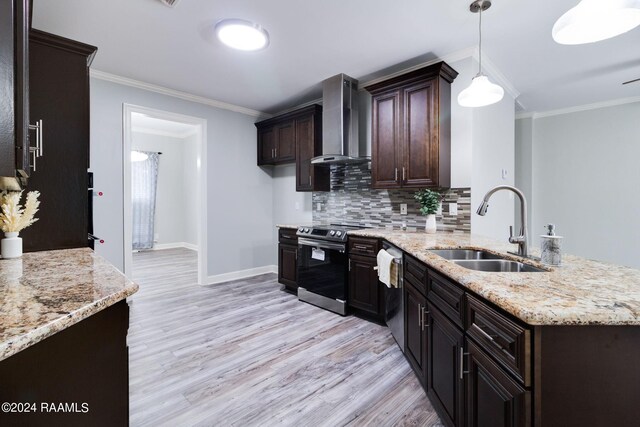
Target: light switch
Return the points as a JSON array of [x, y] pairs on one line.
[[453, 209], [319, 207], [403, 208]]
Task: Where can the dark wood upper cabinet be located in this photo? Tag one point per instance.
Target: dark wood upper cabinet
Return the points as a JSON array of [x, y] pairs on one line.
[[295, 137], [59, 96], [14, 93], [411, 129]]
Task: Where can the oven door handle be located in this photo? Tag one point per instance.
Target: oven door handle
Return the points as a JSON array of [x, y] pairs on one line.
[[321, 244]]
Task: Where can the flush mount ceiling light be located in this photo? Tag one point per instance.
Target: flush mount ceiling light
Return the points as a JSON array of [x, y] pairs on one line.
[[594, 20], [481, 91], [242, 35], [137, 156]]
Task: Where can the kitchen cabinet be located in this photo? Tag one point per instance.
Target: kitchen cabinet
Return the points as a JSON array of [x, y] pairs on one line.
[[493, 399], [59, 96], [365, 290], [288, 259], [411, 129], [366, 293], [414, 326], [86, 363], [295, 137], [445, 372], [14, 93]]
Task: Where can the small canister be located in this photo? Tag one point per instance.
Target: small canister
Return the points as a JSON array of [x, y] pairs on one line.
[[551, 247]]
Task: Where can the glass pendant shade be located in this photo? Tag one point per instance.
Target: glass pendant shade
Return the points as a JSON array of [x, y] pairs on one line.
[[594, 20], [480, 92]]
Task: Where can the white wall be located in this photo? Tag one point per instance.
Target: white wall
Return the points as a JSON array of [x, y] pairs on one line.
[[175, 199], [524, 170], [482, 144], [240, 195], [586, 180]]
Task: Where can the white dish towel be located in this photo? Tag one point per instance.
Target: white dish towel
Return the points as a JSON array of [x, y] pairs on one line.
[[385, 261]]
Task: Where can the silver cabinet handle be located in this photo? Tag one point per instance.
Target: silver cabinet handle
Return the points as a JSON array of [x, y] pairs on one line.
[[462, 355], [396, 174], [275, 150], [349, 264], [403, 175], [420, 316], [424, 313], [38, 150]]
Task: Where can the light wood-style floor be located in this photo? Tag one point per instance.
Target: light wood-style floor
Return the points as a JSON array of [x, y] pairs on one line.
[[245, 353]]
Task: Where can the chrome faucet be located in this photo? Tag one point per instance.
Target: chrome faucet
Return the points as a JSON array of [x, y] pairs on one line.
[[523, 239]]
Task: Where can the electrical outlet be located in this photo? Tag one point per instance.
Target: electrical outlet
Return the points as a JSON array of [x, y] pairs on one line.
[[504, 174], [297, 206], [453, 209], [403, 208], [318, 207], [439, 211]]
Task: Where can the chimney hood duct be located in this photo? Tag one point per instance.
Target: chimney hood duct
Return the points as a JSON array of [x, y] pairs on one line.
[[340, 143]]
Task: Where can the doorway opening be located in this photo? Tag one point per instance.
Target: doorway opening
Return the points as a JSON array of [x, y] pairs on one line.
[[165, 187]]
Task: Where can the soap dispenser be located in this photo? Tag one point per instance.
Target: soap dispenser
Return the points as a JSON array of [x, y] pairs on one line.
[[551, 246]]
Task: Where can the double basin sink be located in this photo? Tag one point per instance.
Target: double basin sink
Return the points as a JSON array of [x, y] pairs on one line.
[[485, 261]]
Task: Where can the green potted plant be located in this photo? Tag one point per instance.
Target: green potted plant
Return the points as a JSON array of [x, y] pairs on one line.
[[429, 203]]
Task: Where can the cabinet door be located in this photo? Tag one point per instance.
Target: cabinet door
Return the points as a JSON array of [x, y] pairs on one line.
[[285, 142], [288, 266], [493, 399], [420, 136], [59, 88], [445, 385], [415, 334], [266, 146], [385, 142], [364, 288]]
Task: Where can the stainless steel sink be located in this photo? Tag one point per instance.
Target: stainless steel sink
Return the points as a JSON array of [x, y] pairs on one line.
[[464, 254], [498, 265]]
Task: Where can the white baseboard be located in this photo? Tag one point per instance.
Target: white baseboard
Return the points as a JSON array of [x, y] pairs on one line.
[[161, 246], [242, 274]]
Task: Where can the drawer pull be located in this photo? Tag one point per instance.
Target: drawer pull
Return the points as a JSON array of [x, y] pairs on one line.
[[284, 236], [366, 248]]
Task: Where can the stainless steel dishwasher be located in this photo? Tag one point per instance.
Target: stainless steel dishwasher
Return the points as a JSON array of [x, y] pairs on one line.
[[394, 300]]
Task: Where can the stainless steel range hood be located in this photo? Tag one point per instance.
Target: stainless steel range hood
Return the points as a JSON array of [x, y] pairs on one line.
[[340, 143]]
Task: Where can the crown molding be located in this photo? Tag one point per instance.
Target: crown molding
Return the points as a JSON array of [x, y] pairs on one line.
[[578, 108], [101, 75]]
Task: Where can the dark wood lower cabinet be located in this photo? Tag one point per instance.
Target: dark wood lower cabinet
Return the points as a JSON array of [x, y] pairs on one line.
[[445, 379], [85, 367], [288, 266], [414, 332], [365, 290], [493, 398]]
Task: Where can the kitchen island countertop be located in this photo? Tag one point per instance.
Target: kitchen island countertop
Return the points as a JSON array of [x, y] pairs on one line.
[[46, 292], [580, 292]]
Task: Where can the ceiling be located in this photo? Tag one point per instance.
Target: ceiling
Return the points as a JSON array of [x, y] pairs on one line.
[[312, 40], [154, 126]]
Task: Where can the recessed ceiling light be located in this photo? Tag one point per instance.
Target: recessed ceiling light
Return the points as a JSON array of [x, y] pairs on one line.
[[242, 35]]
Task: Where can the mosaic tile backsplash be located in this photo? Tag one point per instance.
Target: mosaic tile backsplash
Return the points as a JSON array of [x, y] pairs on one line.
[[353, 201]]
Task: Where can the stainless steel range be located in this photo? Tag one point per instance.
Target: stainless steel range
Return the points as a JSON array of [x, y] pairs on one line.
[[323, 266]]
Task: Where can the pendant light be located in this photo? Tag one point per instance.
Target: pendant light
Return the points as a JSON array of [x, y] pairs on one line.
[[481, 91], [594, 20]]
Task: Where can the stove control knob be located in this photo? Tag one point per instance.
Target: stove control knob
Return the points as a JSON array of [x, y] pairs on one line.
[[332, 232], [338, 233], [306, 230], [301, 229]]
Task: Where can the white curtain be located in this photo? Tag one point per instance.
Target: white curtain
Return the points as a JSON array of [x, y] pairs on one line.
[[144, 181]]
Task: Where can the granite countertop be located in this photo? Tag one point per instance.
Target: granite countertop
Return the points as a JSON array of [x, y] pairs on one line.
[[580, 292], [45, 292]]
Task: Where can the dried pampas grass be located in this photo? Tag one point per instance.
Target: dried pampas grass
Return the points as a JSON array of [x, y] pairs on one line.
[[13, 217]]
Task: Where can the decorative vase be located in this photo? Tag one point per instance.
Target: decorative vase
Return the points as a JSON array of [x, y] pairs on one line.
[[431, 224], [11, 246]]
